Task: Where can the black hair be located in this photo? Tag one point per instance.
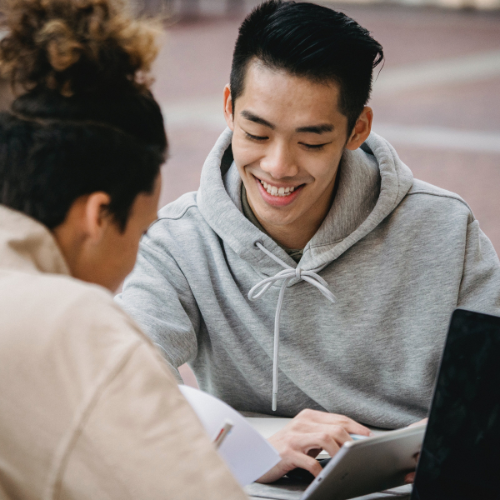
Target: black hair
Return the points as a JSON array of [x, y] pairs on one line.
[[86, 122], [311, 41], [45, 167]]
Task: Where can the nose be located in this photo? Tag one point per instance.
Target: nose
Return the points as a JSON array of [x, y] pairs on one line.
[[279, 161]]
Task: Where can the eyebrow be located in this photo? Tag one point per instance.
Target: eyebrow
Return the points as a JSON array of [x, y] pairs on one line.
[[256, 119], [312, 129], [316, 129]]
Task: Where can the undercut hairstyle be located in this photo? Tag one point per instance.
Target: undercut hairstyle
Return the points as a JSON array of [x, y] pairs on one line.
[[307, 40], [86, 120]]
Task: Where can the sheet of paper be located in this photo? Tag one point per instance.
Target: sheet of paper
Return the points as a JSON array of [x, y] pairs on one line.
[[245, 451]]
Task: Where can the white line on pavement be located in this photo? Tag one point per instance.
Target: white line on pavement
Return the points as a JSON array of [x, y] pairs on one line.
[[205, 112], [452, 71], [440, 138]]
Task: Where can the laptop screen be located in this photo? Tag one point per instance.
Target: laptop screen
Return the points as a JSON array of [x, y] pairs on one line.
[[460, 456]]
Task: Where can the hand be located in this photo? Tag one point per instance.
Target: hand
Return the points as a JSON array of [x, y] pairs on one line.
[[410, 477], [305, 436]]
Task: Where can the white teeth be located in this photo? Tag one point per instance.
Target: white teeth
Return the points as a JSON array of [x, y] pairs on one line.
[[274, 191]]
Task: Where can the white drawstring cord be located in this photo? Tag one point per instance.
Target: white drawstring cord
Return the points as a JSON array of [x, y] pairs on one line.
[[286, 275]]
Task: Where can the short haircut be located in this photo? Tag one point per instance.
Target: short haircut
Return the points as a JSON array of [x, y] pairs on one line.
[[311, 41], [87, 121], [45, 167]]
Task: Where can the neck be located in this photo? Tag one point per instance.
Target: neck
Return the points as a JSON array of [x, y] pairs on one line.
[[298, 233]]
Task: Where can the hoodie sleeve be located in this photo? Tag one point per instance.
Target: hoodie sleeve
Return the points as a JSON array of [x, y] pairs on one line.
[[158, 296], [480, 286]]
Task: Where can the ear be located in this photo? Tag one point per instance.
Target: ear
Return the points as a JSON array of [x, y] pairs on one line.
[[228, 107], [361, 130], [96, 218]]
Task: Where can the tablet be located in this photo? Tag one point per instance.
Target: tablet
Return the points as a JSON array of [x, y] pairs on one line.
[[369, 465]]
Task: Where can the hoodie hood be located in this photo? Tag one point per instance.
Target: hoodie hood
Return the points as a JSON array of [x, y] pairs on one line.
[[373, 181]]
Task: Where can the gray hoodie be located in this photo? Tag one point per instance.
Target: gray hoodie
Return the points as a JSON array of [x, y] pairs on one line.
[[398, 255]]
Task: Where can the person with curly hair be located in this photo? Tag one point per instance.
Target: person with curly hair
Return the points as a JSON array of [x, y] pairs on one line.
[[89, 409]]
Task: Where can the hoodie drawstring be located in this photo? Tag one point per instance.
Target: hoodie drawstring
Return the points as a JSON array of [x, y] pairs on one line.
[[286, 275]]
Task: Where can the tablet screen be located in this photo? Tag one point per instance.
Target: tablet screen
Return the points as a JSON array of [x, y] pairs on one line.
[[460, 456]]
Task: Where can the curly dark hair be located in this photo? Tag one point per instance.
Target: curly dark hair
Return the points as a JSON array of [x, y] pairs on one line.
[[82, 67], [74, 46]]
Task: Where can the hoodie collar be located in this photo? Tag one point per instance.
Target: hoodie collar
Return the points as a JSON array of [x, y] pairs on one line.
[[373, 181], [219, 203], [27, 245]]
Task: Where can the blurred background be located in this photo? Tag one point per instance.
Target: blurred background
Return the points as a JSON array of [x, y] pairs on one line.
[[437, 98]]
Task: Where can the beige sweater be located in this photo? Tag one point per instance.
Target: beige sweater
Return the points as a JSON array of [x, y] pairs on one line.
[[88, 409]]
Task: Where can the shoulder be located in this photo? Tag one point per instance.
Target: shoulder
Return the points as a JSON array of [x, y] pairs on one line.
[[178, 219], [180, 225], [68, 324], [73, 306], [427, 197], [181, 208]]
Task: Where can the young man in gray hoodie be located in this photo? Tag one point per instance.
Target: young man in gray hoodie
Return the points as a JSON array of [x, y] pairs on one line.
[[310, 271]]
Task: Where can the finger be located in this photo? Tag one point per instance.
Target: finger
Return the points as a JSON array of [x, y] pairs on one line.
[[306, 417], [353, 427], [410, 478], [323, 440], [337, 432], [305, 462]]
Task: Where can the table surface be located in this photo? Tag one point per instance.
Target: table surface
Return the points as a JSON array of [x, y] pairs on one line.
[[286, 489]]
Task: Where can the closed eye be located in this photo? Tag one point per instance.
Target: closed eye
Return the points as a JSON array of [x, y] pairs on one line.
[[255, 137], [315, 146]]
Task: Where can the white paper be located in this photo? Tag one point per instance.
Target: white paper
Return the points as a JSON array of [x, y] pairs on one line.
[[246, 452]]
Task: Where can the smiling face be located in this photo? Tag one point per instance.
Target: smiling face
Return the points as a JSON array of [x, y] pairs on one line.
[[288, 140]]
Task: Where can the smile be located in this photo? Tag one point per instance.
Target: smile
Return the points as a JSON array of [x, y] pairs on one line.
[[278, 196], [275, 191]]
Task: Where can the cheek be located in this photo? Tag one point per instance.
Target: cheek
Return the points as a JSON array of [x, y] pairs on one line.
[[246, 153], [323, 168]]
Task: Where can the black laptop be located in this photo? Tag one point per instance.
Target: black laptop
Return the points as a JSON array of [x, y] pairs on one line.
[[460, 457]]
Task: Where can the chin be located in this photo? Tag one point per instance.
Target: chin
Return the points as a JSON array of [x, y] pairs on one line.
[[276, 221]]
